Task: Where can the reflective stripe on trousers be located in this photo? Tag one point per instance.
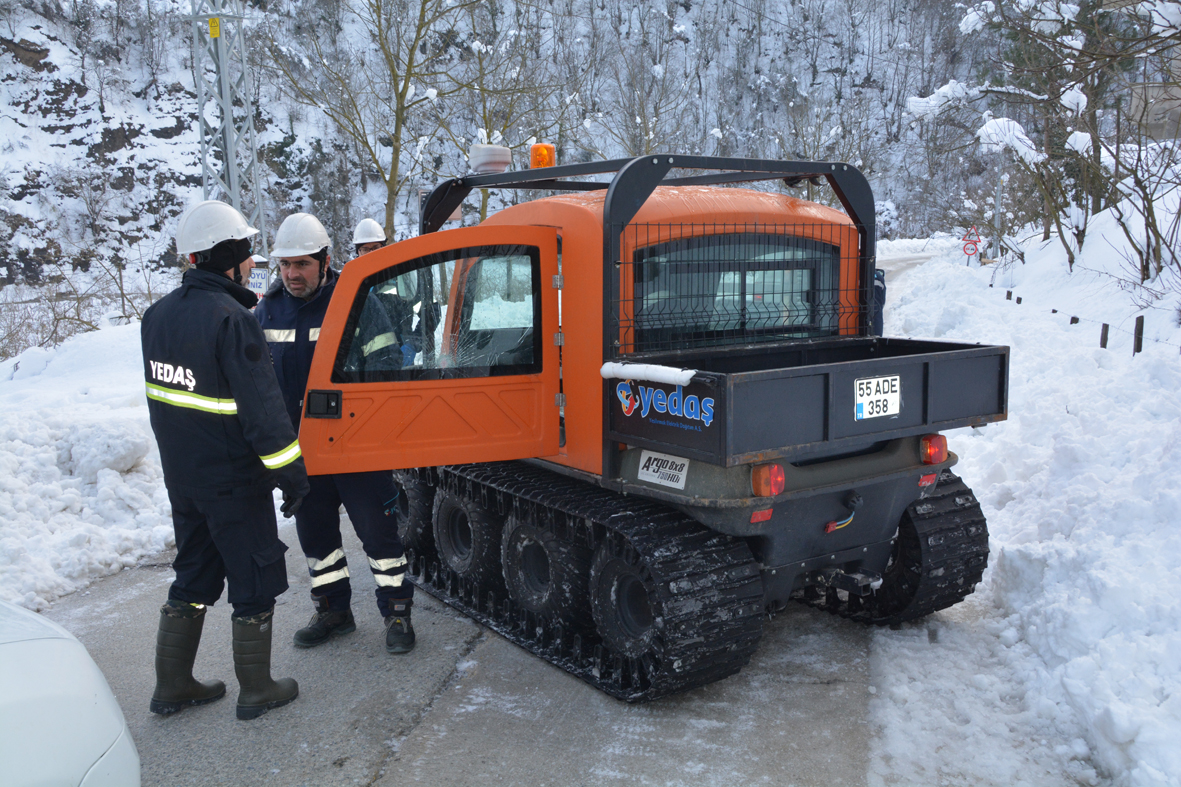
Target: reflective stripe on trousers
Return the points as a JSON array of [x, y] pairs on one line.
[[327, 570], [388, 572]]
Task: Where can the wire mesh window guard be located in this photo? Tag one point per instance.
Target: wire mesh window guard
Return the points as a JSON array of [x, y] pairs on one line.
[[717, 285]]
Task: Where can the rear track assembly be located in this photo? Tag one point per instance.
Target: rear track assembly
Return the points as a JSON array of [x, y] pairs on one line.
[[939, 556], [708, 596]]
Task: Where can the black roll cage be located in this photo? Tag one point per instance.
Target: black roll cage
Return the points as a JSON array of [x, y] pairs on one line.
[[634, 181]]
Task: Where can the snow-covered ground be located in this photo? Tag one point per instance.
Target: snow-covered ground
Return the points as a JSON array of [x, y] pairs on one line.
[[1063, 668]]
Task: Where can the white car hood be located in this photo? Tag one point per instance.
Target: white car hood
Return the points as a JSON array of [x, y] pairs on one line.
[[18, 625]]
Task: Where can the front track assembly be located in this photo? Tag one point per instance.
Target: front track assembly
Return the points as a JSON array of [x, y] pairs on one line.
[[704, 587]]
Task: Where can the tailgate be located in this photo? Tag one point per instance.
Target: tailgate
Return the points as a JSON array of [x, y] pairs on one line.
[[812, 409]]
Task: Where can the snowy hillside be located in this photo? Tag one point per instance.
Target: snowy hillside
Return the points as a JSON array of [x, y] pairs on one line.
[[1063, 668]]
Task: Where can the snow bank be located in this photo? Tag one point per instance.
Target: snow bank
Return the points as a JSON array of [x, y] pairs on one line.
[[81, 492], [1065, 667]]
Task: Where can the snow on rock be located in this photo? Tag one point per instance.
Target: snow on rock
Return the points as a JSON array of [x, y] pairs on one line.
[[1080, 142], [1065, 666], [976, 18], [81, 491], [1074, 100], [929, 107], [1001, 133]]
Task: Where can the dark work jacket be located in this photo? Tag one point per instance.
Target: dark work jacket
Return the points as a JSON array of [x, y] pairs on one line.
[[214, 403], [292, 328]]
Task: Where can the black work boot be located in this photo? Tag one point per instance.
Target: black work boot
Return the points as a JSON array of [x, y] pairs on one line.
[[177, 640], [324, 625], [399, 633], [252, 663]]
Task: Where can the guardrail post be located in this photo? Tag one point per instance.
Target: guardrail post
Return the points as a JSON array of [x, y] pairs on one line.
[[1138, 344], [1103, 336]]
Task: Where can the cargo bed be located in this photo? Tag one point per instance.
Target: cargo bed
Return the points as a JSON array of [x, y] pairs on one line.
[[799, 400]]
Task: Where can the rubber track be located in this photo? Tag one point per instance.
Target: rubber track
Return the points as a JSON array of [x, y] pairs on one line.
[[708, 584], [952, 553]]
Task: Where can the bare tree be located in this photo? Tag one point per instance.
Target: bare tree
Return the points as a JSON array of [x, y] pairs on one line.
[[378, 91], [648, 103], [503, 93]]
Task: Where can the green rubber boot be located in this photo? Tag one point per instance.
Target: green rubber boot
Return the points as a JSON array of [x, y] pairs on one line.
[[252, 663], [177, 641]]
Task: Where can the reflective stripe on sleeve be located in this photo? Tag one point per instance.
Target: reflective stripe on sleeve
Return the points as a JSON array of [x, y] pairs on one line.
[[280, 458], [274, 335], [192, 401], [384, 340]]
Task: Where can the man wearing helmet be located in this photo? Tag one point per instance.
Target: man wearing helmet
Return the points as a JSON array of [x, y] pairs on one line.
[[291, 314], [367, 237], [225, 443]]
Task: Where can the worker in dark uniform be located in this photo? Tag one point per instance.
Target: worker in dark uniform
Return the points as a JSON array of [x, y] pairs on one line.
[[291, 314], [399, 297], [225, 443]]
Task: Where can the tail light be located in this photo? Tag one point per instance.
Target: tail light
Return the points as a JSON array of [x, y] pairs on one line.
[[933, 449], [767, 480]]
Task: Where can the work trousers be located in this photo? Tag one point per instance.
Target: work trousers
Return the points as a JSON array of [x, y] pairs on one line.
[[371, 502], [232, 538]]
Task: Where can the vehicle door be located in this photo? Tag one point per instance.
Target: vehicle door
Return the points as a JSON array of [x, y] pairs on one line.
[[438, 350]]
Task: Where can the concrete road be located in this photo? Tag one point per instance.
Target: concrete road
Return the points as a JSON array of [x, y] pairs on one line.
[[469, 708], [896, 265]]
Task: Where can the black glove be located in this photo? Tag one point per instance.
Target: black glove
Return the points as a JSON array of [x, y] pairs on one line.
[[293, 481], [291, 504]]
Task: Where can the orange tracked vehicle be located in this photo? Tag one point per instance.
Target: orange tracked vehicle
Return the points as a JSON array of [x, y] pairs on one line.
[[635, 416]]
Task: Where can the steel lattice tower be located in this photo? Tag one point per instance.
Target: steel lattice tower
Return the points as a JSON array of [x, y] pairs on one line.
[[229, 153]]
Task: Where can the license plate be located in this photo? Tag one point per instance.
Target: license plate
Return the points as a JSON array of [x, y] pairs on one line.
[[875, 397]]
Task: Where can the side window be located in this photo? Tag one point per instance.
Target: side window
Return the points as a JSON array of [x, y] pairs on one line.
[[472, 312]]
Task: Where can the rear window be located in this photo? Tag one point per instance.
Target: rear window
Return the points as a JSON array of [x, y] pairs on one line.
[[733, 289]]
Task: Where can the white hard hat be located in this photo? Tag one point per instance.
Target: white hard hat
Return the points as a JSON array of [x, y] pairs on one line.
[[368, 231], [300, 234], [206, 224]]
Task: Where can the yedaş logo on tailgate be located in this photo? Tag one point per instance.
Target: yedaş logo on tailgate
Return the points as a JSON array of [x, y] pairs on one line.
[[676, 403]]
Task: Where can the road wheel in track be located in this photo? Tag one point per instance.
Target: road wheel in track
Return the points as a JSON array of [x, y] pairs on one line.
[[467, 537], [415, 517], [624, 600], [546, 575]]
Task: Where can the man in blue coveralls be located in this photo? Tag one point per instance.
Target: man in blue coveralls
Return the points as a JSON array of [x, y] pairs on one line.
[[291, 314]]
